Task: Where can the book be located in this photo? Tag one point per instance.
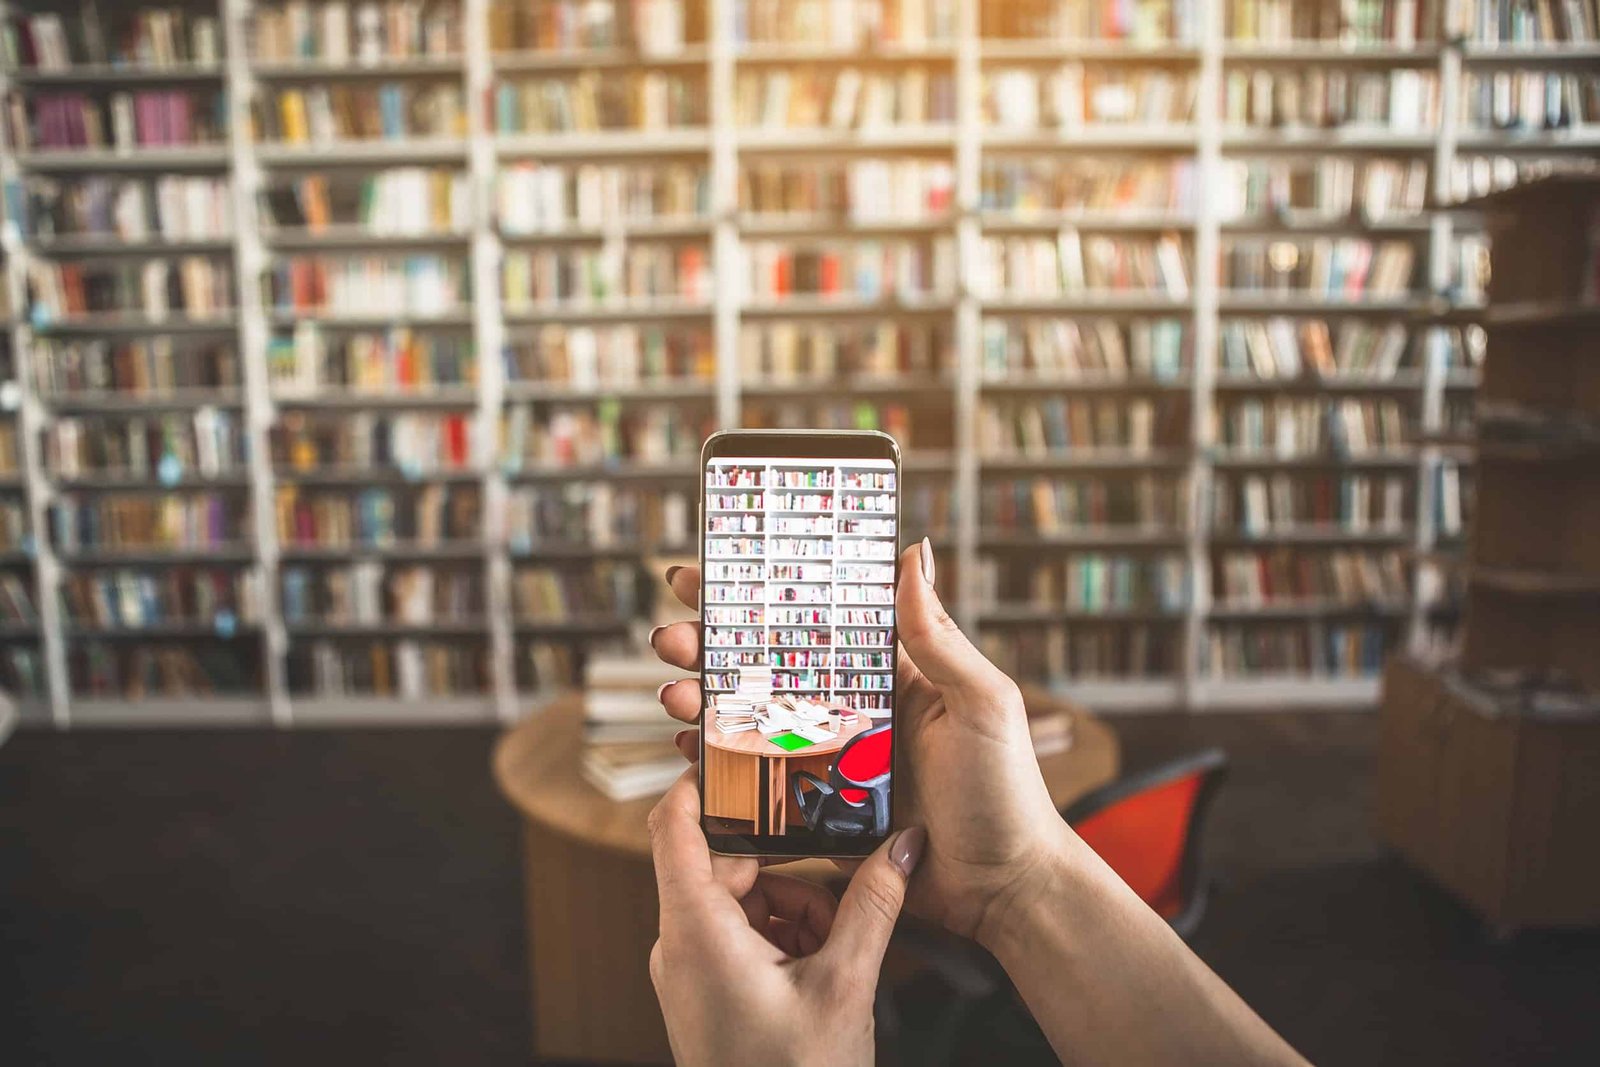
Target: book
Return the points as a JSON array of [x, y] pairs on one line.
[[627, 771]]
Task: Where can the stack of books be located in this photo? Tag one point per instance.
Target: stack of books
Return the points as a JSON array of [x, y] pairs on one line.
[[628, 750]]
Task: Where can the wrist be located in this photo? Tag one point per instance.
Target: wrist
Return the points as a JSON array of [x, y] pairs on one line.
[[1037, 891]]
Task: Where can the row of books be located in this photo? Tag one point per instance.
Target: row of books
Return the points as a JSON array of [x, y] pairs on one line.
[[13, 524], [1287, 427], [1070, 265], [1261, 578], [651, 27], [1051, 506], [70, 367], [161, 521], [194, 285], [1401, 100], [533, 198], [396, 201], [1331, 187], [406, 669], [1529, 21], [551, 594], [1260, 505], [858, 190], [22, 671], [844, 98], [846, 25], [16, 602], [1324, 649], [123, 599], [173, 207], [825, 352], [867, 269], [1143, 22], [310, 362], [600, 515], [329, 114], [1074, 95], [1056, 425], [413, 443], [1036, 184], [419, 285], [1529, 100], [583, 276], [597, 434], [1088, 582], [158, 38], [208, 442], [130, 671], [589, 101], [618, 354], [1342, 22], [1082, 651], [1339, 268], [367, 592], [428, 516], [147, 118], [927, 427], [367, 32], [10, 454], [1285, 349], [1054, 348]]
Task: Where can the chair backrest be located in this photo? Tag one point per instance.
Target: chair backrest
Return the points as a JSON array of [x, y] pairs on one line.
[[1147, 828], [864, 757]]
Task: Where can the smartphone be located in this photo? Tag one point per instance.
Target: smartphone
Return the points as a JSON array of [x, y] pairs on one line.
[[799, 555]]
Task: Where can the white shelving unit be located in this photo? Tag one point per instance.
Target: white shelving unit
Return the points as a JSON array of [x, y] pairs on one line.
[[725, 149]]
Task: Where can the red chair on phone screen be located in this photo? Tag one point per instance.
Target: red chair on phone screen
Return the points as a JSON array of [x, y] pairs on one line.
[[855, 798]]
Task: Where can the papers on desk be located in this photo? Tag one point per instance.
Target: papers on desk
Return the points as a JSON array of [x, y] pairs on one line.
[[818, 734]]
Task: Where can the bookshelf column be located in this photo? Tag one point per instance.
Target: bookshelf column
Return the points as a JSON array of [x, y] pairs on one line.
[[250, 260], [488, 340], [968, 311], [728, 268]]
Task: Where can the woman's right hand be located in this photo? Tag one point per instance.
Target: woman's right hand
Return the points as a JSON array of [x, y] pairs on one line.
[[967, 771]]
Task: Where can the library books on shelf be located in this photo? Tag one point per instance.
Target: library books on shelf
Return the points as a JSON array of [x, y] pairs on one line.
[[323, 389]]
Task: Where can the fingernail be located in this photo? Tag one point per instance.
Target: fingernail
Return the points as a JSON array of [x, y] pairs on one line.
[[651, 640], [907, 849], [674, 569], [662, 688], [927, 561]]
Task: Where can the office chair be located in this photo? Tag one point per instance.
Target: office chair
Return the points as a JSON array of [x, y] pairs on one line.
[[855, 798], [1147, 827]]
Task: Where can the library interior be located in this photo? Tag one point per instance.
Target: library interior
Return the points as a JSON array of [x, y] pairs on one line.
[[356, 361]]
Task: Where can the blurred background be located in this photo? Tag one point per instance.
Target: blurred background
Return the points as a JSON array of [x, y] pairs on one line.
[[355, 363]]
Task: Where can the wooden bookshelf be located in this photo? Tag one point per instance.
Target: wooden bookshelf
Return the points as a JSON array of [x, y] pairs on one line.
[[942, 402]]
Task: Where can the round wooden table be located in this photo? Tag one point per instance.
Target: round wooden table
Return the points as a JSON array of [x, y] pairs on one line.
[[590, 889], [741, 766]]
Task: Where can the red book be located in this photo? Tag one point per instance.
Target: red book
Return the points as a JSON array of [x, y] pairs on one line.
[[829, 271]]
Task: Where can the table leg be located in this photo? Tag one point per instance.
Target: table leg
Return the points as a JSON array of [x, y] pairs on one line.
[[763, 815], [780, 810]]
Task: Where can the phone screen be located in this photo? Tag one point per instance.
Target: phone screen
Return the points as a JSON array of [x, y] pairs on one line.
[[799, 556]]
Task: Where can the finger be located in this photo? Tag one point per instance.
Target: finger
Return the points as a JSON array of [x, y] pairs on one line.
[[938, 648], [678, 644], [681, 698], [736, 874], [871, 904], [796, 900], [684, 877], [688, 742], [685, 585], [785, 936]]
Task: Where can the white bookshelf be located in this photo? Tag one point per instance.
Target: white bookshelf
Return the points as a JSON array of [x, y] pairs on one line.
[[725, 149]]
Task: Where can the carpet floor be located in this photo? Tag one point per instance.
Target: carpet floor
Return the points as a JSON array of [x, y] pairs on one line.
[[259, 898]]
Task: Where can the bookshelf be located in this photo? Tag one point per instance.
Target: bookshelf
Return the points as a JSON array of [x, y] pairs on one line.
[[995, 223]]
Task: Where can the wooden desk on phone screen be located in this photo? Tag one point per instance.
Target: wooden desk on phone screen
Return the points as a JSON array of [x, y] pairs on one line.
[[591, 891], [740, 765]]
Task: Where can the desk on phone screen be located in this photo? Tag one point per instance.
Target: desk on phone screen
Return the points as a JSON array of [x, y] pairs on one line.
[[591, 892], [741, 766]]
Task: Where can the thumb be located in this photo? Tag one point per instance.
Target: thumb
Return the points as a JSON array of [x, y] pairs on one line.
[[931, 637], [871, 904]]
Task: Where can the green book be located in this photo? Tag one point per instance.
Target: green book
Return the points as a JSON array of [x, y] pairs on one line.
[[790, 742]]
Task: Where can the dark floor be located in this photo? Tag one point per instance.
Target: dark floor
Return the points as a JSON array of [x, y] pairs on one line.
[[248, 898]]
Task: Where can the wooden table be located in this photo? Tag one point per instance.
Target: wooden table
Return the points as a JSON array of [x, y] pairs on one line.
[[590, 889], [740, 765]]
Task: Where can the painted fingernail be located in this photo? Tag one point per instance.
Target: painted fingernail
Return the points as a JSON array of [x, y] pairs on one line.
[[653, 631], [674, 569], [662, 688], [907, 849], [927, 561]]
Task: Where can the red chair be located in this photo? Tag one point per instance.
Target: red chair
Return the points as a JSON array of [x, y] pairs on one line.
[[855, 798], [1147, 827]]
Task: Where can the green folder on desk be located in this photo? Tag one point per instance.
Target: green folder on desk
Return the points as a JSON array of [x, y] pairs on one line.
[[790, 742]]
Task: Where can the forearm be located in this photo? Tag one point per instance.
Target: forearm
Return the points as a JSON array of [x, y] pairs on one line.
[[1108, 980]]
